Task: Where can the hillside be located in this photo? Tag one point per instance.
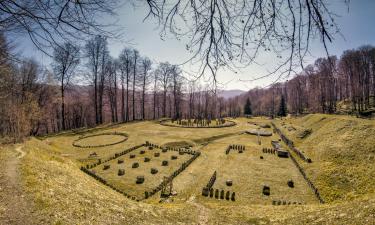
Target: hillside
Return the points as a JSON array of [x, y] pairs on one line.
[[230, 93], [342, 149], [57, 192]]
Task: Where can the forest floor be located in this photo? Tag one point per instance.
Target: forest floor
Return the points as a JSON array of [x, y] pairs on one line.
[[41, 183]]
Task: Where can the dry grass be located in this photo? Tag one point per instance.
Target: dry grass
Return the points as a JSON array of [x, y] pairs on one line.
[[65, 195], [127, 181], [343, 152], [106, 139]]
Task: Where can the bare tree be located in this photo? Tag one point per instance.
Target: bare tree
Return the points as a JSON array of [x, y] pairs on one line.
[[164, 74], [191, 101], [125, 60], [95, 51], [146, 67], [177, 90], [219, 32], [111, 69], [48, 23], [135, 57], [66, 60], [155, 91], [234, 33]]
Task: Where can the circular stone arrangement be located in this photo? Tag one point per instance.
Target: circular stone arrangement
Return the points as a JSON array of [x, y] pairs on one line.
[[170, 123], [76, 142]]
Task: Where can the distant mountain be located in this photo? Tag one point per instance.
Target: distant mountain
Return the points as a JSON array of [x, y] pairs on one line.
[[230, 93]]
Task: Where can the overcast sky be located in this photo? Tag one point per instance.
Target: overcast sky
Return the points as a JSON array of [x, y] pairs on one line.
[[357, 27]]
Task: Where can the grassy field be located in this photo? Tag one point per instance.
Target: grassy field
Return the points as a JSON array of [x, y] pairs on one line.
[[101, 140], [340, 147], [127, 182]]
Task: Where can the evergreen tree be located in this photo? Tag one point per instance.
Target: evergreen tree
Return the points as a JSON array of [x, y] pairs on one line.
[[282, 109], [247, 108]]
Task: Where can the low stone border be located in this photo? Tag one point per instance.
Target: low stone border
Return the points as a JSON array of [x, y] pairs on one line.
[[283, 202], [240, 148], [299, 167], [101, 134], [230, 124], [269, 151], [147, 194], [102, 180], [211, 182], [221, 194], [290, 144], [183, 166]]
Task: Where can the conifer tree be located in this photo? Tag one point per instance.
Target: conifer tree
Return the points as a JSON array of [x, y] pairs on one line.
[[282, 108], [247, 108]]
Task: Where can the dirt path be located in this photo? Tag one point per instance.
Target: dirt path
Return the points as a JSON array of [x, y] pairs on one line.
[[14, 206], [19, 150], [203, 216]]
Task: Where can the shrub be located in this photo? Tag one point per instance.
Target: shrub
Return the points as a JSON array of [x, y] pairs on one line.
[[135, 165], [147, 159], [164, 150], [261, 157], [156, 154], [120, 161], [173, 157], [142, 152], [229, 182], [150, 148], [121, 172], [132, 156], [164, 163], [106, 167]]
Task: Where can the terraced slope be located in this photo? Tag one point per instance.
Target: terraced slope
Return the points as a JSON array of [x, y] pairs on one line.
[[59, 193]]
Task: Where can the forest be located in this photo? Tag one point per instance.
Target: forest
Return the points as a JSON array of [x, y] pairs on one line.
[[40, 101], [344, 85]]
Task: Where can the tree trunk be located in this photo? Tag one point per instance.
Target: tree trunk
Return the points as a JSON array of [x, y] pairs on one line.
[[134, 74], [143, 97], [62, 105]]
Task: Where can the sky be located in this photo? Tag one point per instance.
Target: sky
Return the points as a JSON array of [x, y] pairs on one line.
[[356, 25]]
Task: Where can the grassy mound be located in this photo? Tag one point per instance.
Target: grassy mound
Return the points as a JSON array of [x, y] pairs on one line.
[[65, 195], [342, 149]]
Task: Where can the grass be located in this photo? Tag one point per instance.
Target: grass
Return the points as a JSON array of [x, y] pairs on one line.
[[340, 147], [105, 139], [342, 150], [127, 181], [247, 171]]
